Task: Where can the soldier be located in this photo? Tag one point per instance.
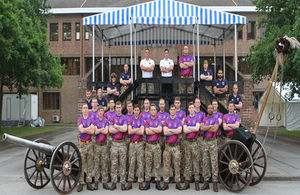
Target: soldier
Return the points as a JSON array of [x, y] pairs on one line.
[[118, 129], [179, 113], [191, 128], [162, 115], [172, 129], [231, 122], [146, 113], [101, 149], [136, 148], [93, 114], [88, 100], [210, 127], [201, 116], [86, 130], [153, 128], [111, 109], [219, 115], [186, 63], [101, 101]]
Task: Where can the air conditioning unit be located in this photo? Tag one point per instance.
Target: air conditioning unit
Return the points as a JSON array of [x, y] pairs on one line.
[[55, 118]]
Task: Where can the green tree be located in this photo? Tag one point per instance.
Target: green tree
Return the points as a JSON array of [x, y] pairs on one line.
[[24, 57], [282, 18]]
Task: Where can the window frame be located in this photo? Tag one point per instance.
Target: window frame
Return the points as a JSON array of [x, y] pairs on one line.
[[77, 31], [47, 104], [50, 31], [63, 31]]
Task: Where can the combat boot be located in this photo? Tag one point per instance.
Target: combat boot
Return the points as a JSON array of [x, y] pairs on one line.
[[186, 185], [123, 187], [80, 188], [105, 186], [197, 187], [89, 187], [96, 186], [129, 186], [157, 185], [205, 186], [178, 186], [215, 187], [165, 186], [147, 186], [113, 186]]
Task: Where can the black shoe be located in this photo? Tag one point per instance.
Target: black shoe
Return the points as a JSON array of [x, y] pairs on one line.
[[105, 186], [186, 185], [147, 186], [89, 187], [96, 186], [157, 185], [141, 186], [113, 186], [197, 187], [123, 187], [165, 186], [80, 188], [205, 186]]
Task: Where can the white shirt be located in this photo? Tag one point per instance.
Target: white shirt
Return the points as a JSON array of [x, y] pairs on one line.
[[147, 64], [166, 64]]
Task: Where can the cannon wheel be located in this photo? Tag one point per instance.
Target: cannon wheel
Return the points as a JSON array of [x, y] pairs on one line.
[[65, 167], [36, 160], [235, 166], [259, 162]]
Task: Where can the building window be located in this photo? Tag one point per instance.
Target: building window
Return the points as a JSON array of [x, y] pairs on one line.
[[53, 31], [72, 66], [66, 31], [77, 31], [51, 100], [87, 33], [240, 34], [251, 30]]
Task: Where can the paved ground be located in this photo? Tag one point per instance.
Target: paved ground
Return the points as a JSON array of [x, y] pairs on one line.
[[282, 176]]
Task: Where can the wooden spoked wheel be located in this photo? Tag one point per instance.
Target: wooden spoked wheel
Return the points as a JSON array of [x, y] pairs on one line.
[[235, 166], [36, 167], [65, 167], [259, 162]]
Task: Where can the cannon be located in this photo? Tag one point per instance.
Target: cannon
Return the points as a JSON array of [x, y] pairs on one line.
[[44, 163]]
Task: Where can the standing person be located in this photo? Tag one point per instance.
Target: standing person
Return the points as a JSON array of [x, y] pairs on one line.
[[101, 149], [210, 127], [236, 99], [93, 114], [136, 127], [186, 63], [113, 88], [231, 122], [218, 115], [88, 100], [101, 101], [147, 66], [153, 129], [206, 76], [86, 130], [162, 115], [111, 109], [179, 113], [220, 88], [118, 129], [125, 81], [191, 128], [172, 128], [146, 113], [166, 67]]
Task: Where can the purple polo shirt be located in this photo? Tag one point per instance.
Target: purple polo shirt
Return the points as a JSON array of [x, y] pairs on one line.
[[201, 116], [188, 72], [101, 138], [108, 115], [85, 123], [136, 123], [180, 114], [172, 124], [152, 123], [128, 117], [219, 115], [162, 116], [93, 114], [191, 122], [145, 115], [207, 121], [230, 119], [118, 120]]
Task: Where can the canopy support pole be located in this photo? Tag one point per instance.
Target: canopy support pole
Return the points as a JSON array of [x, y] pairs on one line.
[[102, 59], [198, 49], [215, 60], [194, 68], [224, 63], [135, 69], [93, 56], [131, 55], [235, 54], [109, 58]]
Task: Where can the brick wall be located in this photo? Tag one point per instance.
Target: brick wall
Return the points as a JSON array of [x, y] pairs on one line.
[[248, 113]]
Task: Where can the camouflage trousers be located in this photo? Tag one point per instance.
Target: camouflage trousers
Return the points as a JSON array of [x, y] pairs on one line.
[[192, 159], [136, 157], [210, 157], [118, 155], [171, 152], [200, 145], [101, 157], [182, 148], [223, 101], [86, 152], [152, 157], [149, 86]]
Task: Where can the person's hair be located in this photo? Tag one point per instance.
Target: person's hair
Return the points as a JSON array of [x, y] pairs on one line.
[[118, 103], [88, 90], [85, 104], [230, 102], [99, 89], [153, 105], [214, 100], [191, 104], [113, 75], [129, 102], [166, 50], [172, 106], [162, 99], [209, 105], [177, 98], [126, 64], [205, 62], [94, 99], [147, 49], [100, 108], [197, 98], [146, 100], [136, 106], [111, 99], [234, 85], [220, 70]]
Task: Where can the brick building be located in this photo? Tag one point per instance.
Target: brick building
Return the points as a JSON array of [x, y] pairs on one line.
[[73, 42]]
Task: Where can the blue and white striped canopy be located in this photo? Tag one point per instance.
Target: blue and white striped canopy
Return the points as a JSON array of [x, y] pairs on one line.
[[164, 12]]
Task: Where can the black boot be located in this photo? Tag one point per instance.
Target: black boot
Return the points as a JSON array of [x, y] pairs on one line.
[[157, 185], [80, 188], [89, 187], [147, 186]]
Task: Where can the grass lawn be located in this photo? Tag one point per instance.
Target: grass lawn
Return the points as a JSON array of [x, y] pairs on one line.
[[26, 131], [295, 133], [59, 124]]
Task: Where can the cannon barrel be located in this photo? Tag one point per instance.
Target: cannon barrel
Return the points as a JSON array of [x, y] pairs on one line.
[[45, 148]]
